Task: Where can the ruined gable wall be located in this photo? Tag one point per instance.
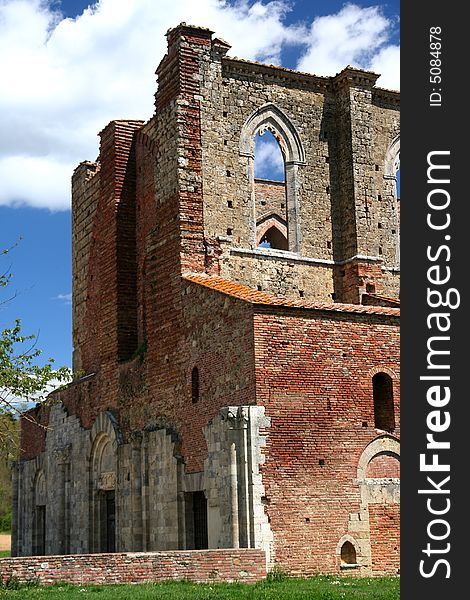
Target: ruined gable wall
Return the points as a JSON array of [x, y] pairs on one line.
[[232, 90], [366, 225], [314, 377], [345, 126], [383, 207], [103, 209]]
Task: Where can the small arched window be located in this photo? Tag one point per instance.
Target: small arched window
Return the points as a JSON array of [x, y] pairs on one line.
[[384, 413], [195, 385], [348, 554], [273, 238]]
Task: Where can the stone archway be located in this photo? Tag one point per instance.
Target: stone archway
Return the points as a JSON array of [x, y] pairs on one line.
[[271, 118], [391, 172], [378, 479], [103, 484], [39, 514]]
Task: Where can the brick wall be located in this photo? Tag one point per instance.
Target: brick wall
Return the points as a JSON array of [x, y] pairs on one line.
[[383, 466], [246, 565], [314, 377], [385, 538]]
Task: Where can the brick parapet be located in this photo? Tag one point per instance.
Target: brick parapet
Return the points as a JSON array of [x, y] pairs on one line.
[[247, 565]]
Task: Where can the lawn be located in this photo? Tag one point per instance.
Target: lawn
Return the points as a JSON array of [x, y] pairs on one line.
[[314, 588]]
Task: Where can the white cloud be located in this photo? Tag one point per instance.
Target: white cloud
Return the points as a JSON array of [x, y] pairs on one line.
[[18, 404], [269, 163], [387, 62], [39, 181], [67, 298], [356, 36], [62, 80]]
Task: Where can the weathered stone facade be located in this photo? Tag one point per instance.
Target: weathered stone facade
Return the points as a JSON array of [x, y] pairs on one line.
[[230, 394]]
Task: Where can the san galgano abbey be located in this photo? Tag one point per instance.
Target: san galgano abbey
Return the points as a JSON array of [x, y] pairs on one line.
[[236, 339]]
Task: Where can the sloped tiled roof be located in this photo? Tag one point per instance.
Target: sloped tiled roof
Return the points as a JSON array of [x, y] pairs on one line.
[[387, 300], [243, 292]]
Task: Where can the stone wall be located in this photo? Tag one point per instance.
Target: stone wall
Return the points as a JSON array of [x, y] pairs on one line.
[[342, 203], [150, 484], [247, 565], [233, 483]]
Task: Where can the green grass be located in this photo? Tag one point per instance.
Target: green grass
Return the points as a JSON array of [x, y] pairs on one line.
[[314, 588], [4, 553]]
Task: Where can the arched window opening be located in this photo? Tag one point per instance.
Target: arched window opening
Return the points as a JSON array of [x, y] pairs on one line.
[[195, 385], [274, 153], [39, 516], [348, 554], [384, 414], [392, 174], [270, 188], [103, 490], [269, 161], [273, 238]]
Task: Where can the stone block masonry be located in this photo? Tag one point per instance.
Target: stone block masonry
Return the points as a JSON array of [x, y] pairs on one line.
[[245, 565]]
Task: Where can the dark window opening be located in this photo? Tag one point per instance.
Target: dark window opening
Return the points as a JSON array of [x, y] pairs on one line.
[[200, 521], [110, 522], [384, 413], [196, 521], [273, 238], [107, 521], [39, 541], [195, 385], [348, 554]]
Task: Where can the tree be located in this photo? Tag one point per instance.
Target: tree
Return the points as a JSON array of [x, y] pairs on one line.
[[22, 379], [10, 426]]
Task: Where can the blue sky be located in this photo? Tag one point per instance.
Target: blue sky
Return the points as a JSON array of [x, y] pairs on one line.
[[66, 71]]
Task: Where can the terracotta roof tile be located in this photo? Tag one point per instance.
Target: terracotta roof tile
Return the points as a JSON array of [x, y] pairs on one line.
[[243, 292]]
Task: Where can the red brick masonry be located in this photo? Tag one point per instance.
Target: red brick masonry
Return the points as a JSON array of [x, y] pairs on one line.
[[248, 565]]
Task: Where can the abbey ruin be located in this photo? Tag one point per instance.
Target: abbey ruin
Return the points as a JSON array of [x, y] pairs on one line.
[[236, 340]]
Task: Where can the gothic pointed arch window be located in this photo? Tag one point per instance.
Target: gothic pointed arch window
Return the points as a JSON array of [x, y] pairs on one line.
[[39, 515], [348, 554], [270, 192], [272, 145], [105, 436], [392, 173]]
